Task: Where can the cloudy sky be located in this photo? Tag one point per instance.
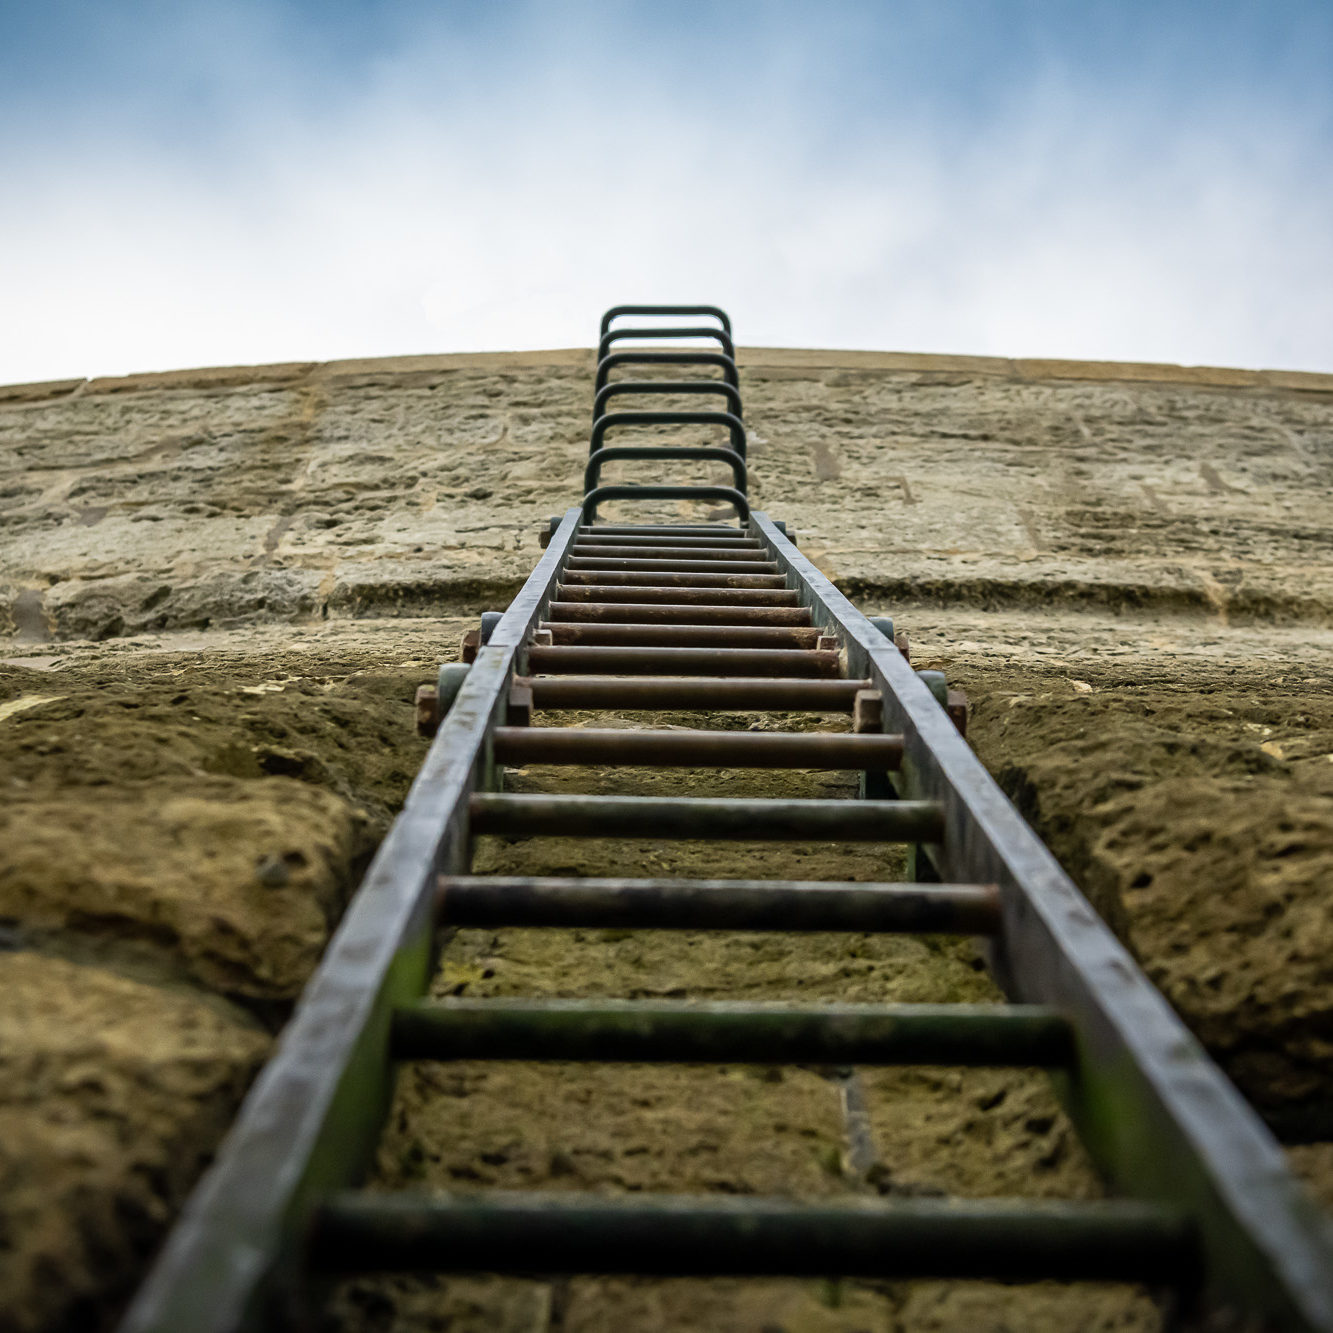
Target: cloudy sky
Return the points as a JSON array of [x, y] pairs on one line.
[[192, 182]]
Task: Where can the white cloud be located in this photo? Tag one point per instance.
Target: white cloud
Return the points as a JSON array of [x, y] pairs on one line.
[[447, 215]]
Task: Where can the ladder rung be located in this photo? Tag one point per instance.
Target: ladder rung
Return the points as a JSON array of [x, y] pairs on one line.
[[704, 818], [665, 529], [679, 565], [872, 751], [714, 693], [640, 541], [687, 1032], [674, 613], [667, 579], [667, 554], [562, 658], [680, 594], [719, 904], [685, 636], [1018, 1240]]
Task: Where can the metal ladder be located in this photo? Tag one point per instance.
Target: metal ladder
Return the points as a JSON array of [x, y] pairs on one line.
[[721, 616]]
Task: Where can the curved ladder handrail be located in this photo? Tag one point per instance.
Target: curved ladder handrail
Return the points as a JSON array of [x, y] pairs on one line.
[[617, 310], [608, 420], [664, 452], [663, 332], [692, 357], [721, 387], [604, 493]]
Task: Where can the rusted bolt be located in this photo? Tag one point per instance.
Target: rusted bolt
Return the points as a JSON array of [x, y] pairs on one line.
[[958, 709], [471, 642], [542, 638], [900, 642], [428, 710], [934, 681], [827, 643], [451, 678], [868, 711]]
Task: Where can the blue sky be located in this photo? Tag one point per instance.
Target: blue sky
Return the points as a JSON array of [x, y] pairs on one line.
[[187, 183]]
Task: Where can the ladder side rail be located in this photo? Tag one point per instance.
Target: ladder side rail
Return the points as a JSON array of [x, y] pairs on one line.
[[1159, 1118]]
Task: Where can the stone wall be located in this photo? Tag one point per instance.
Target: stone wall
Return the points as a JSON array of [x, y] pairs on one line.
[[220, 588]]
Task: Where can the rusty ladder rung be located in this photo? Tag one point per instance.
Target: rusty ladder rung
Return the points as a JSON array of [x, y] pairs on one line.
[[702, 595], [734, 694], [674, 613], [593, 538], [727, 1032], [696, 749], [564, 658], [1013, 1240], [667, 578], [644, 634], [527, 816], [653, 529], [718, 904], [668, 554], [606, 564]]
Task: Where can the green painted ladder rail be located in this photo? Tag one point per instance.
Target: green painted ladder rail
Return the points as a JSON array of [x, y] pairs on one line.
[[726, 616]]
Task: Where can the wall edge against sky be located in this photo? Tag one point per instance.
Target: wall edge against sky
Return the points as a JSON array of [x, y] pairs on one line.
[[1022, 369]]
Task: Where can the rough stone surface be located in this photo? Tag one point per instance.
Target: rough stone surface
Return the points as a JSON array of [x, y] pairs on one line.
[[178, 837], [221, 587], [194, 499], [112, 1094], [1198, 817]]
